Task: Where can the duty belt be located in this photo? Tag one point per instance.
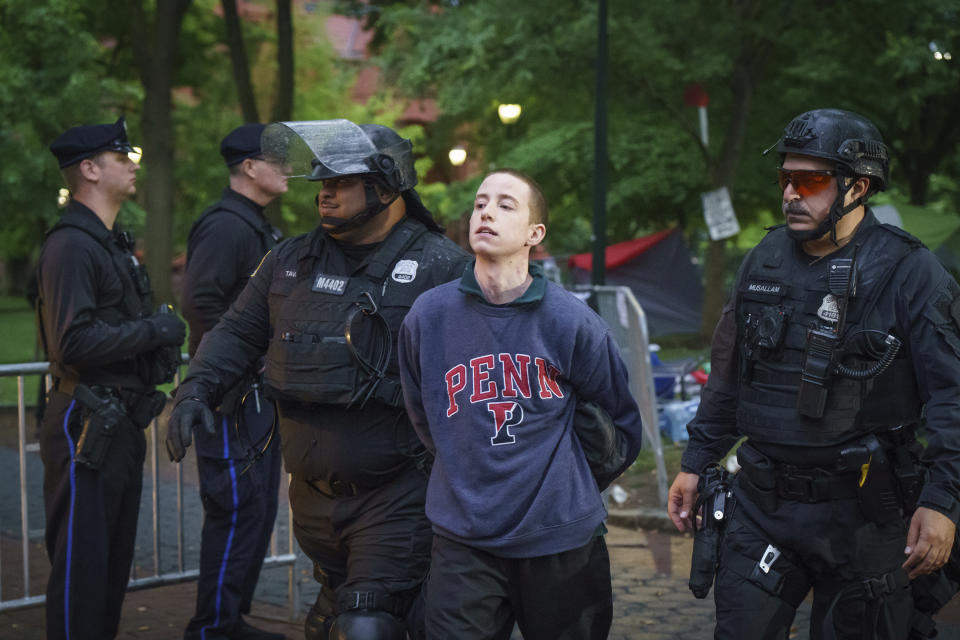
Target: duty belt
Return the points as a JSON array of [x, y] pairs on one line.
[[142, 407], [804, 484], [816, 485], [336, 488]]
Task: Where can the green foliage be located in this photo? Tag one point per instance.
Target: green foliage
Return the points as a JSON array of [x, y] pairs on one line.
[[761, 63], [51, 77]]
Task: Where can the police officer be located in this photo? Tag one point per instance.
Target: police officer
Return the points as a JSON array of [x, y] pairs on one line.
[[239, 463], [841, 335], [325, 309], [107, 351]]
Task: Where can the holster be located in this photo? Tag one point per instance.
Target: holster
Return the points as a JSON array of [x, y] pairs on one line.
[[103, 413], [905, 452], [877, 492], [715, 500]]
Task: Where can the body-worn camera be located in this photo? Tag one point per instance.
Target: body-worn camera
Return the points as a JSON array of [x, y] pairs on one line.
[[765, 331]]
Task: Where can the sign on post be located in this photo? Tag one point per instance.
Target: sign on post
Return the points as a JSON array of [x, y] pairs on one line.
[[719, 215]]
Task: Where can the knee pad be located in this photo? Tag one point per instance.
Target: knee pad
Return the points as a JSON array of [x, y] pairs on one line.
[[317, 624], [367, 625]]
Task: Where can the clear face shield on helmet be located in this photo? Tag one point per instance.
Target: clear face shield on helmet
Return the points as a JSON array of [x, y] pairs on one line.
[[327, 149], [319, 149]]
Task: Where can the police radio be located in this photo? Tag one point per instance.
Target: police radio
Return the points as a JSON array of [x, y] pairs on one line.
[[821, 358], [821, 355]]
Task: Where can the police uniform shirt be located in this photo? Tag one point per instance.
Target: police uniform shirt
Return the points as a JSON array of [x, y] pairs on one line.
[[225, 245], [82, 292]]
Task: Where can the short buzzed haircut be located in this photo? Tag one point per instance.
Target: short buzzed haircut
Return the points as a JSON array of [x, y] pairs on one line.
[[72, 175], [538, 202]]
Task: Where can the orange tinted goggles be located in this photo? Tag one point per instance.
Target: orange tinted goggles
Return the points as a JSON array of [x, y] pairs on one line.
[[806, 182]]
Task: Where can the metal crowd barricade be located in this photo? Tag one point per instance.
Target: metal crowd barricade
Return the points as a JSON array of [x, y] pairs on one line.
[[628, 324], [156, 577]]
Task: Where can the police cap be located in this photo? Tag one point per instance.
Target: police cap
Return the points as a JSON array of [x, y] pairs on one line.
[[77, 143], [241, 143]]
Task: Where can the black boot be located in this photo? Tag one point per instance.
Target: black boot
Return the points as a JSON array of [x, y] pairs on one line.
[[244, 631]]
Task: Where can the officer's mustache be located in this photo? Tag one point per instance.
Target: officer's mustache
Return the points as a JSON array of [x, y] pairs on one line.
[[795, 208]]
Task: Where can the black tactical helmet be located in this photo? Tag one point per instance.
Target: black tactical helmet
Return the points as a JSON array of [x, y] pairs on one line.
[[842, 136], [389, 157], [325, 149]]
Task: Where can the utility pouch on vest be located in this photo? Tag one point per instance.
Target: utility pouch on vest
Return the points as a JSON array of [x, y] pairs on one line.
[[877, 492], [103, 415], [758, 477], [715, 496]]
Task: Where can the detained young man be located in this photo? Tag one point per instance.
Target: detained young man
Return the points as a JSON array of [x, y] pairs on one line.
[[494, 367]]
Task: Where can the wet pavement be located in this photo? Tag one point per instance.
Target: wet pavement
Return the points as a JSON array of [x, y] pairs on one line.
[[650, 565], [651, 599]]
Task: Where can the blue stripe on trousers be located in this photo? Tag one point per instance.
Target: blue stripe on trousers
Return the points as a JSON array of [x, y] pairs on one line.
[[73, 498], [233, 524]]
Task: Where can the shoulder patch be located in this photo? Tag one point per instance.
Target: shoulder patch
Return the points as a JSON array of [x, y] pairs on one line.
[[260, 264]]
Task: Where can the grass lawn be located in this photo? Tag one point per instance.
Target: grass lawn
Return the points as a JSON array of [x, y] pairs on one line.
[[17, 345]]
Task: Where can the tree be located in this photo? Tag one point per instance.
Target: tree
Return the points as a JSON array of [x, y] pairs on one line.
[[238, 61], [472, 55], [762, 63], [155, 47], [51, 78], [899, 65]]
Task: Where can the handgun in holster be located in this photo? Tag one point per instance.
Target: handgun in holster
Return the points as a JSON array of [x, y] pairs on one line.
[[103, 414], [906, 466], [877, 492], [714, 490]]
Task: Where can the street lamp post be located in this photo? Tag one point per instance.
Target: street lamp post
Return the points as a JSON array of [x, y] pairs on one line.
[[599, 270]]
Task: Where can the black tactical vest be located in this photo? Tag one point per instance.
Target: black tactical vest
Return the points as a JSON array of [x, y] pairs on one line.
[[137, 301], [780, 296], [308, 357]]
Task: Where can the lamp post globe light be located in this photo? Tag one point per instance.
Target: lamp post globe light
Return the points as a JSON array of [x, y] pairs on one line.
[[457, 155], [509, 113]]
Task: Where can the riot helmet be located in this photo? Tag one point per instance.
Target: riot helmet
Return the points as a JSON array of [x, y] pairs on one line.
[[326, 149], [849, 140]]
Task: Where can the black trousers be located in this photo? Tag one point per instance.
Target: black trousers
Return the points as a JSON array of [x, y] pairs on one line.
[[239, 511], [91, 524], [826, 546], [473, 595], [377, 541]]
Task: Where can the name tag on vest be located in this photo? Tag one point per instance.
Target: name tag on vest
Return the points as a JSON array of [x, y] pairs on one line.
[[334, 285], [765, 288]]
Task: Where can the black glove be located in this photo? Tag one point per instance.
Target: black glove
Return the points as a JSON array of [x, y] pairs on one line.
[[185, 416], [604, 446], [158, 366], [168, 329]]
